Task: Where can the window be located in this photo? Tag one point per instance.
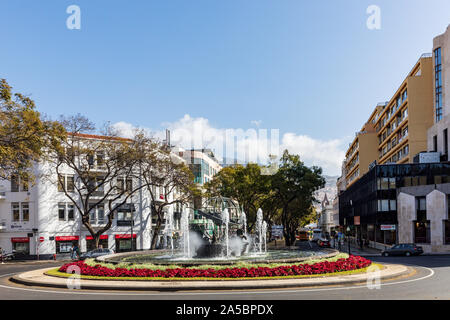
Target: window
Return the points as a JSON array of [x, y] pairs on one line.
[[15, 211], [421, 204], [435, 143], [25, 211], [405, 113], [393, 205], [18, 184], [66, 211], [66, 182], [383, 205], [97, 214], [120, 185], [70, 183], [70, 212], [129, 185], [404, 95], [100, 159], [438, 83], [61, 211], [386, 183], [446, 141], [406, 150], [20, 211]]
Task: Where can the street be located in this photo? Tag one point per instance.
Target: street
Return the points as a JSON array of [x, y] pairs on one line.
[[429, 281]]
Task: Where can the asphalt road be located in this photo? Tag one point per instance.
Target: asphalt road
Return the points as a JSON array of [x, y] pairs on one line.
[[429, 281]]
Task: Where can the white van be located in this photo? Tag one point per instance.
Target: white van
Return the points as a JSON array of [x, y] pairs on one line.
[[317, 234]]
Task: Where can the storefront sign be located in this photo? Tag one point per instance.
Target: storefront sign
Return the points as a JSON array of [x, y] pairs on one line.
[[20, 239], [125, 236], [387, 227], [67, 238], [102, 237]]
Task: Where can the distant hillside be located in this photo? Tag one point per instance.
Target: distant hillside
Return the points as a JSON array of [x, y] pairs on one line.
[[330, 190]]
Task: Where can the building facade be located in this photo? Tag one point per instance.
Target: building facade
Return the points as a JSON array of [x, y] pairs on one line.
[[41, 220], [389, 204], [438, 134], [396, 130]]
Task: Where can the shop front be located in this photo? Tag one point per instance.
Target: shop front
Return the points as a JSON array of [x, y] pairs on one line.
[[124, 242], [21, 244], [90, 243], [64, 243]]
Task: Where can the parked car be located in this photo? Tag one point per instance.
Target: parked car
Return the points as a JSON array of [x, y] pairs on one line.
[[324, 243], [95, 253], [16, 255], [407, 249]]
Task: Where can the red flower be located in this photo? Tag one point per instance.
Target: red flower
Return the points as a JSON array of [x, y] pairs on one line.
[[351, 263]]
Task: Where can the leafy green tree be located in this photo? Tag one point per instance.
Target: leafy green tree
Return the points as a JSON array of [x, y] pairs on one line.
[[25, 136], [294, 185], [244, 184]]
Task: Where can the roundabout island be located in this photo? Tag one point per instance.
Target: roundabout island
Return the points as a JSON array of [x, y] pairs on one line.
[[226, 258]]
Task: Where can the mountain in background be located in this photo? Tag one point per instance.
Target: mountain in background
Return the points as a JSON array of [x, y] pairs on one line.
[[330, 190]]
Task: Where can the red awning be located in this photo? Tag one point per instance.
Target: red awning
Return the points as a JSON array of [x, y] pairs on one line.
[[125, 236], [102, 237], [67, 238], [20, 239]]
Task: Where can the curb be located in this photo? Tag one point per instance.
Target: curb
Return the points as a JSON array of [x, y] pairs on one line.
[[41, 280]]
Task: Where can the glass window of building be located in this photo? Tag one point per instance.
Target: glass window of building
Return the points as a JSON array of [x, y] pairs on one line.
[[25, 211], [70, 183], [70, 212], [438, 83], [446, 141], [61, 211], [15, 208]]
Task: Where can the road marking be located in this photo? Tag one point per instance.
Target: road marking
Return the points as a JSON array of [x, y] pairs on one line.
[[212, 293]]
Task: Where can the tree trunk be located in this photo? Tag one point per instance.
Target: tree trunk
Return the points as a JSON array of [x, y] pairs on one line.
[[156, 231], [97, 240]]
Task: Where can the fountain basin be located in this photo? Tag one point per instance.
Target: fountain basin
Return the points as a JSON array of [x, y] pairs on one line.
[[164, 257]]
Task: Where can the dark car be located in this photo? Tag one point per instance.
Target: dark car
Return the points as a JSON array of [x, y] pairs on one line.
[[96, 253], [403, 249], [324, 243]]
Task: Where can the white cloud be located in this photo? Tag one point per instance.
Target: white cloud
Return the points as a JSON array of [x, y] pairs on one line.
[[250, 144]]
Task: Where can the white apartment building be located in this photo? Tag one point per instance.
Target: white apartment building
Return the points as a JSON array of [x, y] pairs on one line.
[[41, 219]]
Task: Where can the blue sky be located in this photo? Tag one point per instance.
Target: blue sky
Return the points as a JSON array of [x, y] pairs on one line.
[[309, 68]]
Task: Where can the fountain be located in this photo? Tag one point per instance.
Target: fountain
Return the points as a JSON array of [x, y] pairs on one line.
[[168, 230], [185, 233], [259, 223], [216, 233]]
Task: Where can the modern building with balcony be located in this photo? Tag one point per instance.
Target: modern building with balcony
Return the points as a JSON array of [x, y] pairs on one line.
[[403, 123], [362, 151]]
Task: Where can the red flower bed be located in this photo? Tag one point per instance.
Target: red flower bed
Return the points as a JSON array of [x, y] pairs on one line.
[[351, 263]]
